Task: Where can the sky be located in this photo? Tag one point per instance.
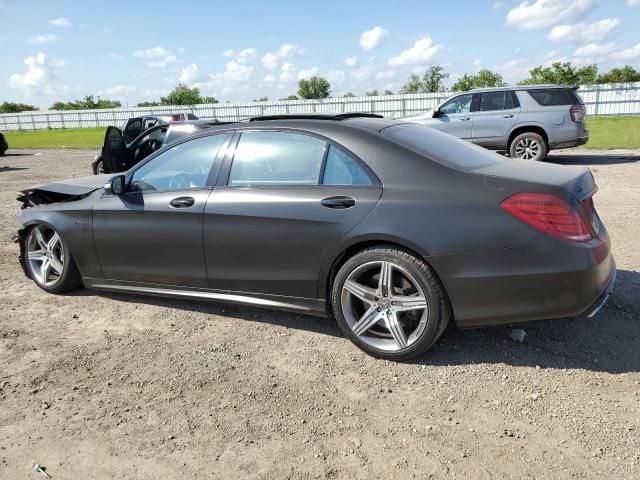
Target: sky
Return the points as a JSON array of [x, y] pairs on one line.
[[243, 50]]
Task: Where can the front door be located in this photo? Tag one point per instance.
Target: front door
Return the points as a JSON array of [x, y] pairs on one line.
[[116, 157], [455, 117], [286, 199], [152, 233]]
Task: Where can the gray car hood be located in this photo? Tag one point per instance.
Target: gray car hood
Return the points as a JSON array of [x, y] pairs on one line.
[[73, 186]]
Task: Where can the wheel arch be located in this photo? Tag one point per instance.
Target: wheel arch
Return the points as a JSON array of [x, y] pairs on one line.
[[344, 251], [520, 129]]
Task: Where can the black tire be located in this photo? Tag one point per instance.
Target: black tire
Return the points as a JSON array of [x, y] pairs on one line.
[[70, 278], [518, 144], [438, 309]]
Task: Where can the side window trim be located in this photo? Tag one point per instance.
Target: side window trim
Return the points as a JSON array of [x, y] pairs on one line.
[[225, 167], [213, 172]]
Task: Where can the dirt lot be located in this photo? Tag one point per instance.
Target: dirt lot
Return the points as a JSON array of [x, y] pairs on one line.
[[96, 385]]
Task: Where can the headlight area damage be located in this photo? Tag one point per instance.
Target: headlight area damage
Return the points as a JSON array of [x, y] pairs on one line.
[[68, 191]]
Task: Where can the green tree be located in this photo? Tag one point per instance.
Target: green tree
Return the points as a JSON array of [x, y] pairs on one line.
[[10, 107], [182, 95], [87, 103], [483, 79], [562, 73], [413, 85], [349, 94], [432, 80], [290, 97], [372, 93], [261, 99], [148, 104], [388, 92], [620, 75], [315, 87]]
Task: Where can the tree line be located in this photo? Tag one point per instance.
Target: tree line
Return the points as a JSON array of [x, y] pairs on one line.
[[432, 80]]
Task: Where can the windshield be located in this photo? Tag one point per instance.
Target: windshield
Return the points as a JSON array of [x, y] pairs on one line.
[[441, 147]]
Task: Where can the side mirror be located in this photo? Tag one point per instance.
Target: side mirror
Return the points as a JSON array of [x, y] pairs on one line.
[[436, 112], [115, 186]]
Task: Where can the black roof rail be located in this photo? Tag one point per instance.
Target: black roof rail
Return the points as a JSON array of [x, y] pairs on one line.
[[314, 116]]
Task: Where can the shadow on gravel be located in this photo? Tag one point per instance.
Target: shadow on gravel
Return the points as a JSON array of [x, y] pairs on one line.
[[18, 155], [609, 342], [599, 158], [12, 169]]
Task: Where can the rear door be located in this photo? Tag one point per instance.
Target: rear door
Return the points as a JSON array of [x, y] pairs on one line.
[[455, 117], [116, 157], [496, 113], [282, 201]]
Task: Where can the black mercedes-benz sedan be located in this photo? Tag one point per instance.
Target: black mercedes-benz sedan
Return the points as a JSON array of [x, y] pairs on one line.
[[393, 228]]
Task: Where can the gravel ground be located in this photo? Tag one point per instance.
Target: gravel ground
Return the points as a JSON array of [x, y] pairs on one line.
[[96, 385]]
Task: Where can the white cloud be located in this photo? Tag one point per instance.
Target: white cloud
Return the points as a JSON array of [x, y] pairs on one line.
[[351, 61], [159, 57], [287, 73], [60, 22], [386, 75], [335, 77], [497, 5], [583, 33], [189, 74], [306, 74], [42, 39], [237, 72], [247, 55], [271, 60], [270, 79], [535, 14], [633, 3], [370, 39], [157, 52], [41, 72], [118, 91], [597, 52], [229, 53], [364, 72], [421, 52]]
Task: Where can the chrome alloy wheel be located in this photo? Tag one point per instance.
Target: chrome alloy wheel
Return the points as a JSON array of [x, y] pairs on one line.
[[384, 306], [527, 149], [45, 254]]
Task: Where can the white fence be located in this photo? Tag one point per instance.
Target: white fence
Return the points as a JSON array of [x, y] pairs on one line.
[[608, 99]]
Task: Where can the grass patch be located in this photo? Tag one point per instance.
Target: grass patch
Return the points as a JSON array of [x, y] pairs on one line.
[[613, 132], [604, 133], [85, 138]]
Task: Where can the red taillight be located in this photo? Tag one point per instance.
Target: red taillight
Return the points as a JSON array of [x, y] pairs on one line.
[[576, 112], [548, 214]]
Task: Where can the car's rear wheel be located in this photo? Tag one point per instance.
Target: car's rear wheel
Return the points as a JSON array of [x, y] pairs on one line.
[[528, 146], [389, 303], [48, 260]]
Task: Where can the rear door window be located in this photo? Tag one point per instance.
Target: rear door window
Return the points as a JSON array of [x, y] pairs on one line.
[[490, 101], [341, 169], [551, 97], [277, 159]]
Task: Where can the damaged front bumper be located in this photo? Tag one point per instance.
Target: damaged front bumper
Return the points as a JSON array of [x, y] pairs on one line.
[[20, 237]]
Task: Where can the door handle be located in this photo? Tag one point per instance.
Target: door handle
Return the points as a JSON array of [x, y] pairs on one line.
[[338, 202], [508, 116], [465, 119], [182, 202]]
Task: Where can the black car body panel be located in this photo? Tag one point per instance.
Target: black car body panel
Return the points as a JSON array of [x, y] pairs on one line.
[[279, 247]]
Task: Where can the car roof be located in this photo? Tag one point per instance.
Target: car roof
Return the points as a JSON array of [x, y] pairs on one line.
[[521, 87]]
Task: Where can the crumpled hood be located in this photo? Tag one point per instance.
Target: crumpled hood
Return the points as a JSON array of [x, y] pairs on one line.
[[73, 186]]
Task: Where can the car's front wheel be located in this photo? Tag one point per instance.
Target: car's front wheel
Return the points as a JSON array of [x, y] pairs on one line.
[[389, 303], [48, 260], [528, 146]]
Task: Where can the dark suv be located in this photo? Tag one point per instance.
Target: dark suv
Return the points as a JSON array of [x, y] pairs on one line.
[[526, 121], [135, 127]]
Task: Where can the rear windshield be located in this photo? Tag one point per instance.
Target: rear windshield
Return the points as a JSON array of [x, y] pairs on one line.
[[441, 147], [551, 97]]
